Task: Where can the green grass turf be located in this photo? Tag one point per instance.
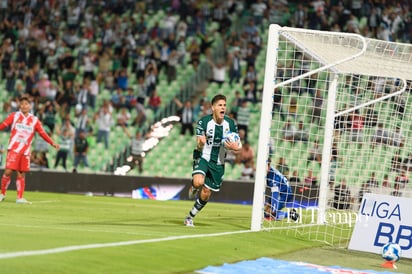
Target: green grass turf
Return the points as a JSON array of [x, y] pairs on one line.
[[62, 220]]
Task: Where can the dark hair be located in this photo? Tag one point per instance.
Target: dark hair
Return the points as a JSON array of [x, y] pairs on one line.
[[218, 97], [24, 98]]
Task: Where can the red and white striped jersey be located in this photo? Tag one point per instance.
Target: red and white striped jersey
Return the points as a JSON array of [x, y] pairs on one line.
[[22, 131]]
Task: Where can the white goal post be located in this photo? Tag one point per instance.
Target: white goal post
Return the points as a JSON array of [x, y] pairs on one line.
[[338, 92]]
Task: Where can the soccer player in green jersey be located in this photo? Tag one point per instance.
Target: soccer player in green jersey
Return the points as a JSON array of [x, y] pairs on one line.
[[209, 155]]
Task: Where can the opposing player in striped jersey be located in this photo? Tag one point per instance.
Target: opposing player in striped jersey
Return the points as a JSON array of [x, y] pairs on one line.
[[23, 125], [209, 155]]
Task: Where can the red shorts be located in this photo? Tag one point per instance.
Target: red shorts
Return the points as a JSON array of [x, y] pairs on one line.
[[17, 161]]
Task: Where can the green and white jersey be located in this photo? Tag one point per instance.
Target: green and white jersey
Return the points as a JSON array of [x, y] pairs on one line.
[[214, 150]]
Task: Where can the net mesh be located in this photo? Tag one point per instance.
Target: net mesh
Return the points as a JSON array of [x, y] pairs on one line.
[[371, 149]]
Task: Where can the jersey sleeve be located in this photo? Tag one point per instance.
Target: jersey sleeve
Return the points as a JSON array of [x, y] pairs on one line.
[[8, 121], [200, 127], [40, 130]]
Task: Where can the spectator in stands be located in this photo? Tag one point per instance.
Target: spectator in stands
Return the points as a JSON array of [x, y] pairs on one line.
[[310, 179], [81, 148], [104, 122], [243, 117], [235, 104], [172, 63], [140, 117], [11, 77], [130, 99], [65, 143], [218, 71], [372, 181], [371, 116], [301, 133], [316, 112], [181, 48], [117, 99], [365, 188], [315, 153], [396, 162], [293, 108], [402, 179], [246, 154], [248, 171], [340, 124], [141, 90], [407, 162], [82, 97], [67, 125], [151, 77], [39, 160], [122, 79], [251, 91], [334, 164], [356, 122], [66, 98], [385, 181], [277, 103], [155, 101], [282, 166], [300, 16], [235, 69], [94, 90], [294, 179], [380, 136], [288, 131], [397, 137], [137, 152], [48, 118], [396, 190], [251, 76], [82, 123], [343, 197], [187, 116], [123, 118]]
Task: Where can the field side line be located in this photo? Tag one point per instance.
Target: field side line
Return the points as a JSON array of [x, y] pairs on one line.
[[114, 244]]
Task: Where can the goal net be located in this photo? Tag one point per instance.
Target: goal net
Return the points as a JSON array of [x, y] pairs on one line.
[[336, 121]]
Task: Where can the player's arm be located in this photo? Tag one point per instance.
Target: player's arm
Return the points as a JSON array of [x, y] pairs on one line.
[[7, 122], [40, 130], [200, 142], [236, 147], [200, 136]]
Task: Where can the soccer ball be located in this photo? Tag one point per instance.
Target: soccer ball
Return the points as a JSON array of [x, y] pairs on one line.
[[232, 137], [391, 252]]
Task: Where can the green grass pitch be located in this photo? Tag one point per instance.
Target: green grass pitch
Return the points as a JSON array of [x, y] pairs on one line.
[[62, 233]]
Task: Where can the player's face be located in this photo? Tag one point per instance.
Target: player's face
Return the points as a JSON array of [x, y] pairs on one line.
[[25, 106], [219, 109]]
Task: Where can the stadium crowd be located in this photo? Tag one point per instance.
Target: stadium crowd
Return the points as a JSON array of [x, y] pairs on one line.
[[64, 53]]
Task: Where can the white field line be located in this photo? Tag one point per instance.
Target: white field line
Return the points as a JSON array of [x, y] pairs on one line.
[[83, 230], [114, 244]]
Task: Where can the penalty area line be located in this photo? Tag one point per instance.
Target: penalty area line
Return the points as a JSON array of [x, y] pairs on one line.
[[113, 244]]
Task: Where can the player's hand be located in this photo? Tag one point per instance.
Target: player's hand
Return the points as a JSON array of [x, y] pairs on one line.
[[56, 146], [233, 145], [201, 141]]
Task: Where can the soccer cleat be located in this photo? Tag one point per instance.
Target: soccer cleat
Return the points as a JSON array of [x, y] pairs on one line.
[[293, 215], [188, 221], [22, 201], [2, 197], [193, 192]]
